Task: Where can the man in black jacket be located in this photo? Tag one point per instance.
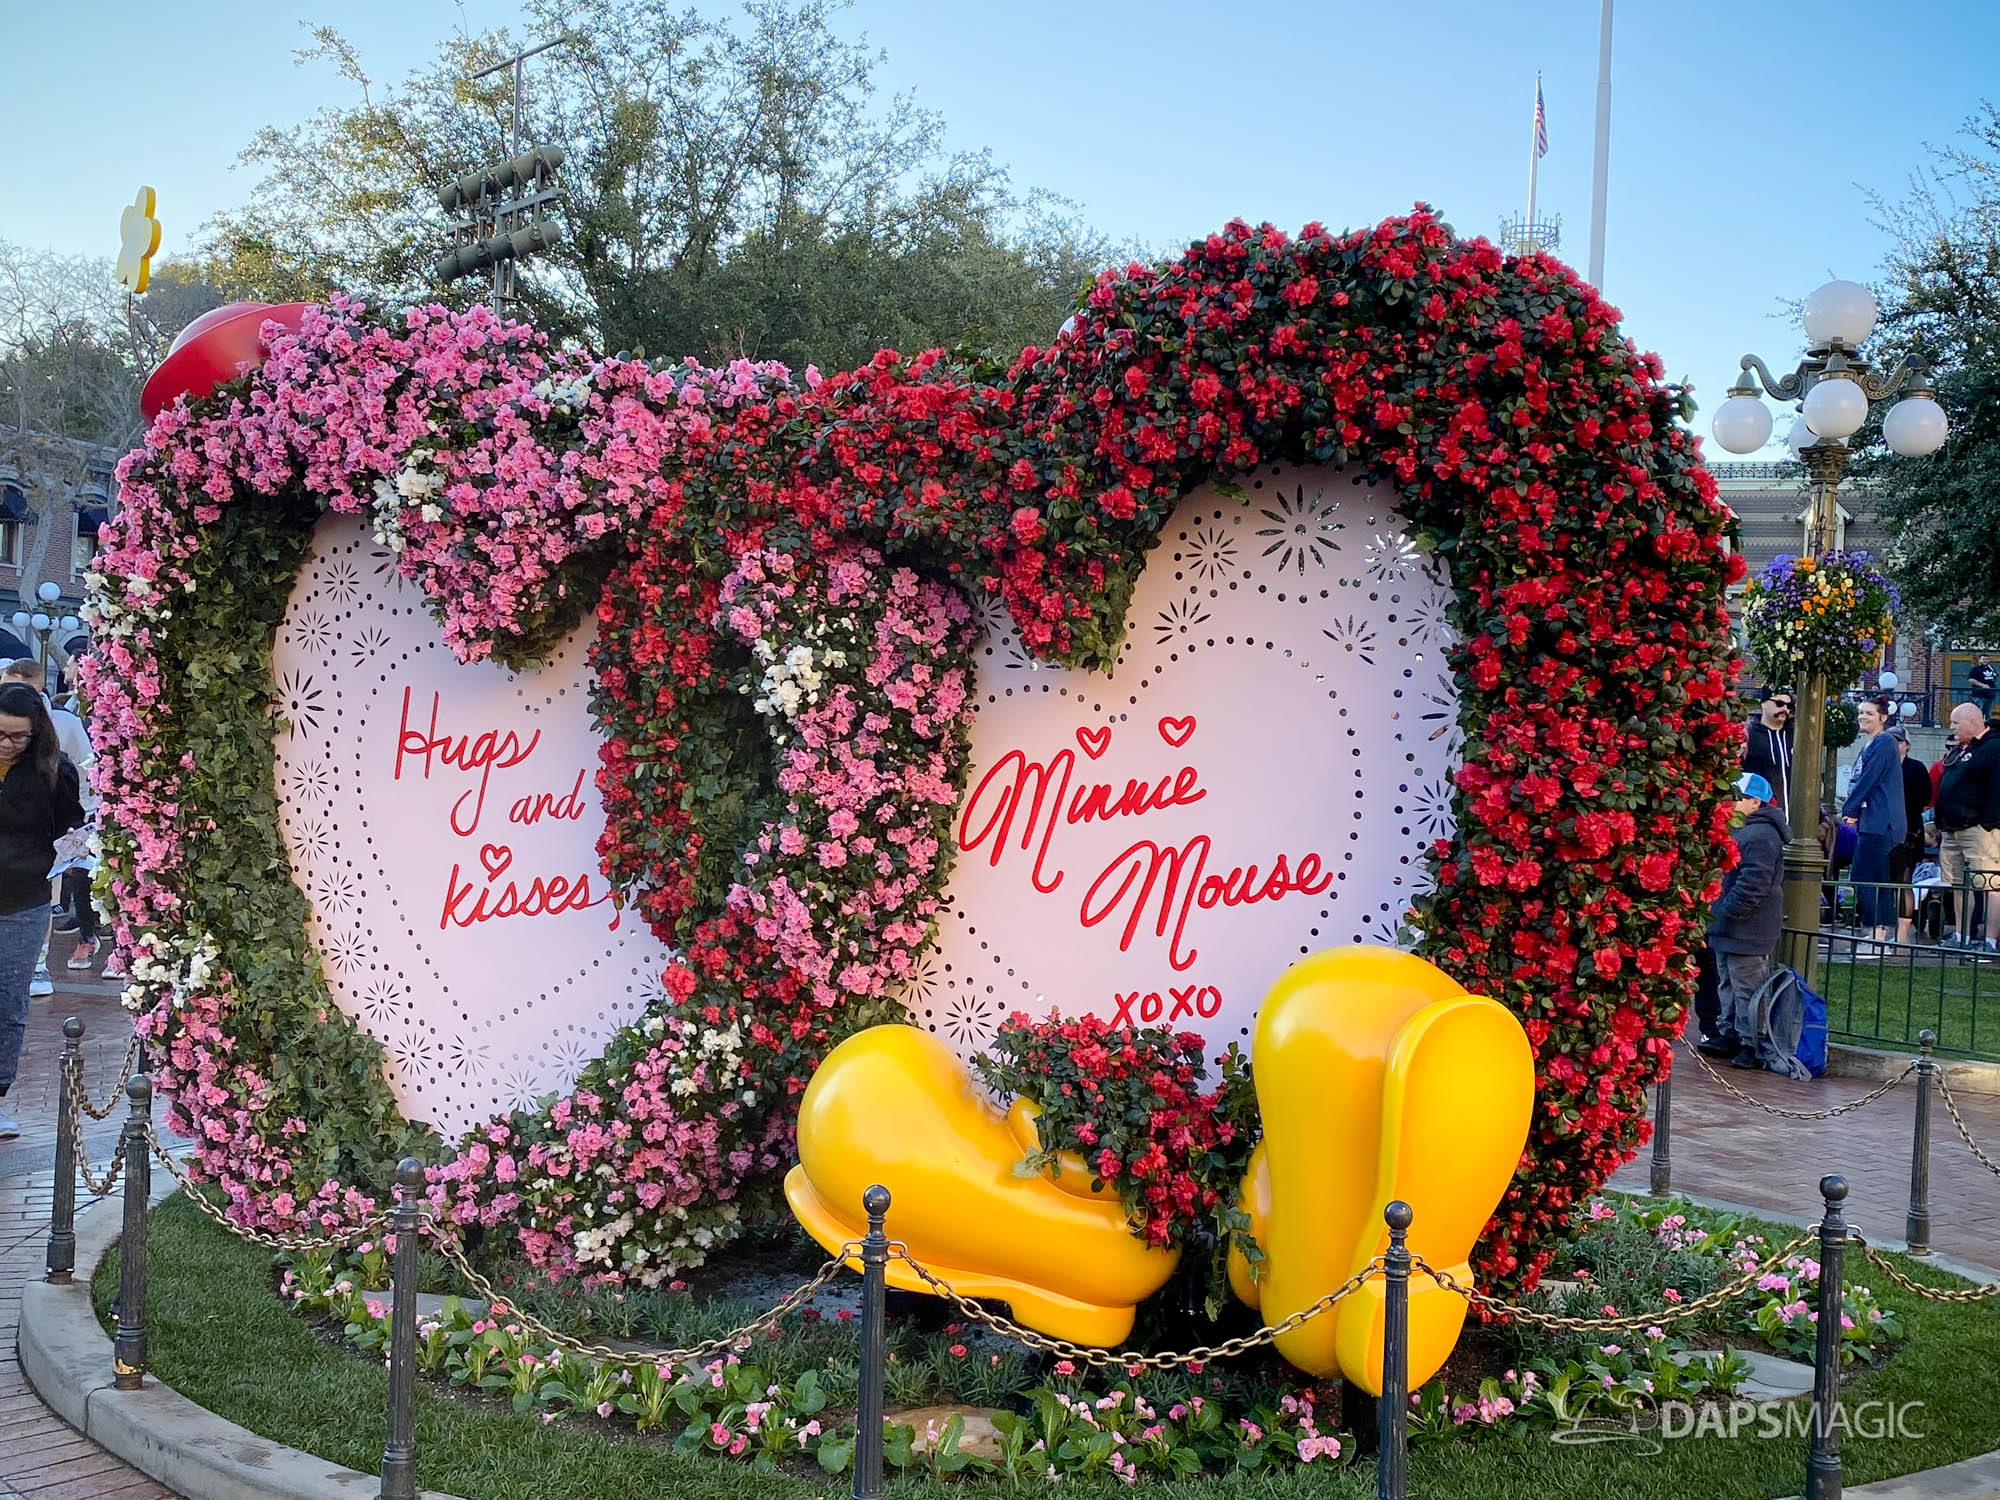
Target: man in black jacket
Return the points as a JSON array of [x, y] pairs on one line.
[[1767, 744], [1744, 923], [1968, 820]]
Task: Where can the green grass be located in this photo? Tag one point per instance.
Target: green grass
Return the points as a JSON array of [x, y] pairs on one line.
[[1888, 1001], [220, 1337]]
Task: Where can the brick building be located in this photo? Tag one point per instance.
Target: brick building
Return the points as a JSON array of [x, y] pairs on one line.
[[54, 495]]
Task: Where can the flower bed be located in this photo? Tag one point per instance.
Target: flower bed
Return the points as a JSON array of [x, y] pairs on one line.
[[780, 574]]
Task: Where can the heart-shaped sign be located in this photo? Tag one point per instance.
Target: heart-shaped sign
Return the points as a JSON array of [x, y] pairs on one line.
[[1293, 726], [442, 820]]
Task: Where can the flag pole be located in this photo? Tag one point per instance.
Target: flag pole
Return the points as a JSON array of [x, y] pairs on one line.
[[1534, 152], [1600, 168]]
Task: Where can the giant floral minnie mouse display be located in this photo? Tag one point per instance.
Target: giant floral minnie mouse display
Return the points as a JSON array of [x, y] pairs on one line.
[[704, 515]]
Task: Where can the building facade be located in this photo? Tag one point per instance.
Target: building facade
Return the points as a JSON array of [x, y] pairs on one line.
[[54, 495]]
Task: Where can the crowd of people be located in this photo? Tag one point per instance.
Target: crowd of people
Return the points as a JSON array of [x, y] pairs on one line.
[[1918, 845]]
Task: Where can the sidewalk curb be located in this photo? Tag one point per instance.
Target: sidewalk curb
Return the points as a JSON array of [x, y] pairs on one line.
[[66, 1357], [1872, 1065]]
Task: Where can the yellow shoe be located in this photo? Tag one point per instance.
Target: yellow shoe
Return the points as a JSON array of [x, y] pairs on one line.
[[1378, 1077], [893, 1105]]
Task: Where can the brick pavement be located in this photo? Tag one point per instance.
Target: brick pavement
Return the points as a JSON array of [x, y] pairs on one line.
[[1726, 1150], [41, 1456]]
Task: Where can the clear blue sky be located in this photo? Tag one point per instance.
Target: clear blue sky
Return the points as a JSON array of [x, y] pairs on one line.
[[1743, 135]]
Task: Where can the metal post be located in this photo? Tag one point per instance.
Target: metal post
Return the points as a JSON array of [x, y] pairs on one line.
[[128, 1347], [874, 1263], [1393, 1414], [61, 1260], [1600, 154], [1823, 1480], [399, 1450], [1805, 861], [1917, 1224], [1662, 1182]]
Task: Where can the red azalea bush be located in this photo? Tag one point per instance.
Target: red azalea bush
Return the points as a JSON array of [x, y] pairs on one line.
[[1530, 446], [1127, 1101]]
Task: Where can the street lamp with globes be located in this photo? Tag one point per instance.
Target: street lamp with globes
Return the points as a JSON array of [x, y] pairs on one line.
[[43, 623], [1834, 384]]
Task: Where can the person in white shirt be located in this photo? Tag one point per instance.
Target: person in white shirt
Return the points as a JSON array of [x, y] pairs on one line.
[[73, 892]]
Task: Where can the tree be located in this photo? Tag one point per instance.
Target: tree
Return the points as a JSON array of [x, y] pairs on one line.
[[732, 189], [1943, 510], [74, 351]]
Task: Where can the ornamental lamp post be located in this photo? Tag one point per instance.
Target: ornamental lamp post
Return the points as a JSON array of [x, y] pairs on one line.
[[44, 624], [1834, 385]]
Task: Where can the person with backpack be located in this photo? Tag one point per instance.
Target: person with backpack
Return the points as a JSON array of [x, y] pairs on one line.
[[1744, 923]]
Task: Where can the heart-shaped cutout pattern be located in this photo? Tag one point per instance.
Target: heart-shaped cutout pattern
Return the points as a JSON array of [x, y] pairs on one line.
[[1095, 741], [442, 820], [1171, 880]]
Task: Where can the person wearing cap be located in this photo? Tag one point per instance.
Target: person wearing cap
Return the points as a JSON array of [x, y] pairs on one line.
[[1767, 743], [1906, 856], [1744, 923], [1875, 807]]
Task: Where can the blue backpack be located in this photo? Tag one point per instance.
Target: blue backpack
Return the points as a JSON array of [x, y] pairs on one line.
[[1793, 1022]]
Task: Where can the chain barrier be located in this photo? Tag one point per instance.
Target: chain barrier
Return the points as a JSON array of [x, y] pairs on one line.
[[1964, 1130], [1910, 1284], [105, 1186], [74, 1066], [290, 1244], [1679, 1312], [1798, 1114], [1130, 1362], [604, 1354]]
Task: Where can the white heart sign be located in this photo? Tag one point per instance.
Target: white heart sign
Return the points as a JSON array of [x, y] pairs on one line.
[[1256, 779], [442, 820]]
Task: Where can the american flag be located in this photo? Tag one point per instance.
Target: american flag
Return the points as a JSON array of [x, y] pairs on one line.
[[1541, 121]]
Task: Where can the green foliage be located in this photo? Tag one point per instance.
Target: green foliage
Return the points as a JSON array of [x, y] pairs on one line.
[[1842, 726], [1944, 303], [732, 188]]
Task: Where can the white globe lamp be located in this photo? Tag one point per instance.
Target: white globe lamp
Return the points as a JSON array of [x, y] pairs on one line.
[[48, 593], [1742, 424], [1915, 426], [1907, 709], [19, 619], [1886, 681], [1840, 312], [1800, 438], [1836, 408]]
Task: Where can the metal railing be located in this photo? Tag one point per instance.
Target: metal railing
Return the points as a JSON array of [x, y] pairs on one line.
[[1936, 968], [410, 1221]]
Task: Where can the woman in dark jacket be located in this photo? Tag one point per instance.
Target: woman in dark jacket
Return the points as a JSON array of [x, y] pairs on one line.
[[39, 801], [1875, 806], [1906, 856]]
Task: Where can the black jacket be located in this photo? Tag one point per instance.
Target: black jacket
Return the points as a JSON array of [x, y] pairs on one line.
[[33, 815], [1768, 752], [1969, 790], [1916, 796], [1750, 913]]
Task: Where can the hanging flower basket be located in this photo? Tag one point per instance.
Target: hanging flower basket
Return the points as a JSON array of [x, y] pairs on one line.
[[1828, 614]]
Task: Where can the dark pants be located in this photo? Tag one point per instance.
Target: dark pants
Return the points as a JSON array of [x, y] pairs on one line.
[[76, 900], [1707, 1003], [1875, 904]]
